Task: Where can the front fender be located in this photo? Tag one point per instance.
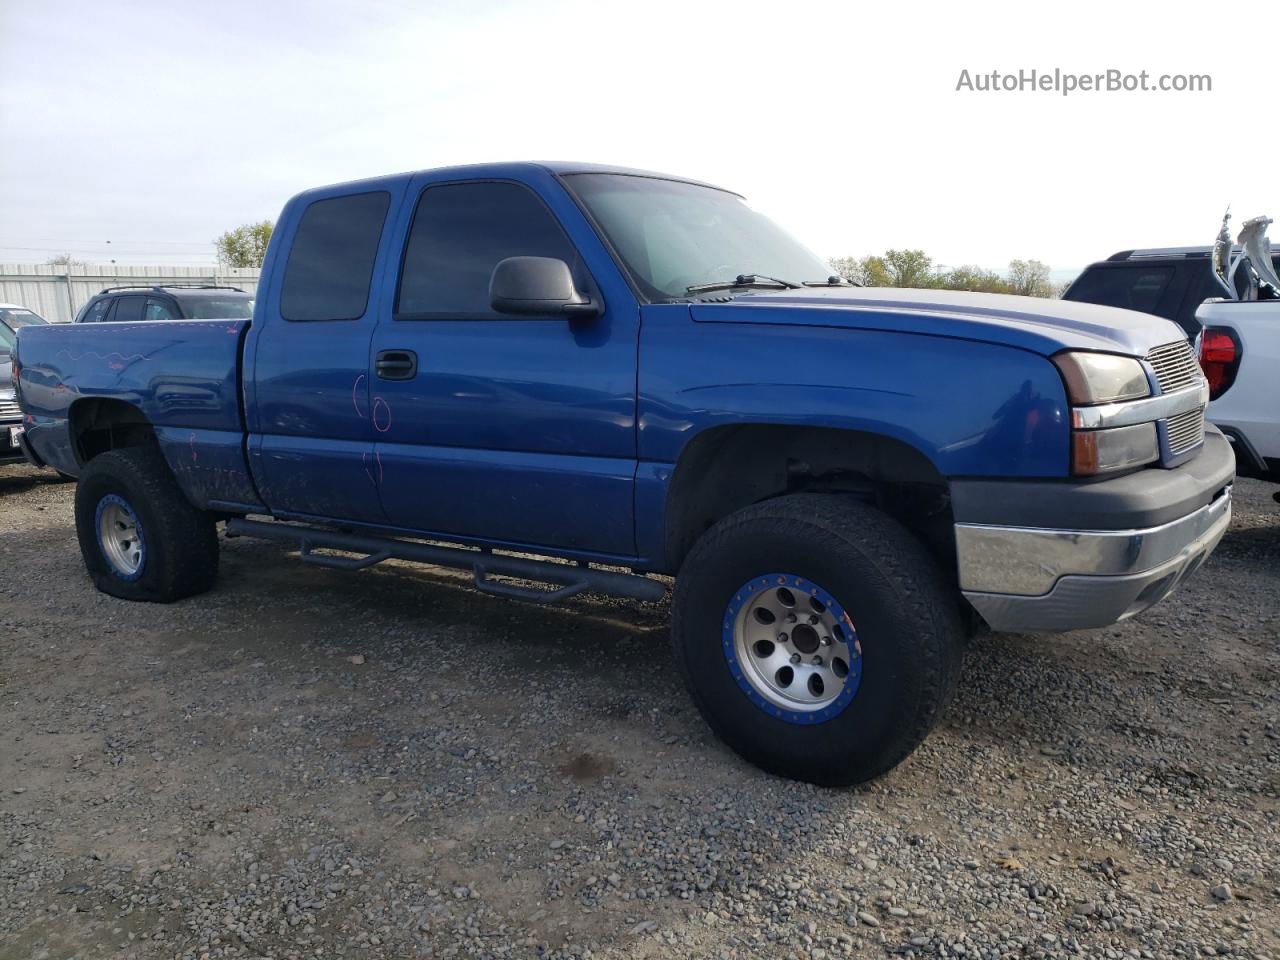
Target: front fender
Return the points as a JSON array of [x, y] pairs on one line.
[[971, 408]]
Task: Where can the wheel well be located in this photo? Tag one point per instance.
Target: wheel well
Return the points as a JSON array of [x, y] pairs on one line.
[[99, 425], [727, 468]]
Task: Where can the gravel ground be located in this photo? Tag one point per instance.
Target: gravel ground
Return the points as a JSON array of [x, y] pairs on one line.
[[308, 763]]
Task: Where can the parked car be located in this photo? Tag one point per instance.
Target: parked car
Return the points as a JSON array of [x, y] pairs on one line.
[[1240, 354], [612, 369], [1170, 282], [12, 318], [176, 301]]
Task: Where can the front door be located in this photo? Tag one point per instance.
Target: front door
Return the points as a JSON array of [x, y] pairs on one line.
[[491, 426]]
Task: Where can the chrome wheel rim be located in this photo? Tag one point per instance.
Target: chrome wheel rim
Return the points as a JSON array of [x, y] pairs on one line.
[[792, 648], [120, 536]]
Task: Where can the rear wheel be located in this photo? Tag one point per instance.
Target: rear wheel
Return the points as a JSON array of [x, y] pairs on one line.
[[141, 539], [817, 637]]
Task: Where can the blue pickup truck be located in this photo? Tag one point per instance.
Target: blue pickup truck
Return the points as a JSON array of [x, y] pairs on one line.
[[566, 377]]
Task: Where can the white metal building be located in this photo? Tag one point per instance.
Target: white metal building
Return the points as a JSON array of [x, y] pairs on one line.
[[57, 292]]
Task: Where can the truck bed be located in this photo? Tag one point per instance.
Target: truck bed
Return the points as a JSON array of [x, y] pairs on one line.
[[182, 375]]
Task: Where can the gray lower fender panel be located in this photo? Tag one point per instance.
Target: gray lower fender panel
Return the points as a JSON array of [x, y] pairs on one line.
[[1144, 498]]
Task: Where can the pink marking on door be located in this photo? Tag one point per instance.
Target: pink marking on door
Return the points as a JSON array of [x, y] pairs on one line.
[[354, 402], [377, 425]]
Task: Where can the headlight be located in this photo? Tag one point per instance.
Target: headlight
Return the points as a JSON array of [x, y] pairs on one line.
[[1102, 377], [1094, 378]]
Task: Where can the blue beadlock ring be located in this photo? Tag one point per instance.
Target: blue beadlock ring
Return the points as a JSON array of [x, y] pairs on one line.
[[109, 500]]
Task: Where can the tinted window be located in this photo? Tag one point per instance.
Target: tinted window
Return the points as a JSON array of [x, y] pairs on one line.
[[331, 262], [228, 307], [159, 310], [460, 233], [128, 309], [97, 310], [1133, 287]]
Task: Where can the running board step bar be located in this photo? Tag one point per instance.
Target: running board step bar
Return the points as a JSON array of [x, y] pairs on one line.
[[483, 564]]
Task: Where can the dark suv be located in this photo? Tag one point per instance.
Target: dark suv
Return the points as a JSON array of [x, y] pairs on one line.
[[1170, 282], [170, 302]]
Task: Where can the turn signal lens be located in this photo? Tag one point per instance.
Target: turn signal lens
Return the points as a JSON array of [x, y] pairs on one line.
[[1101, 377], [1219, 359], [1116, 448]]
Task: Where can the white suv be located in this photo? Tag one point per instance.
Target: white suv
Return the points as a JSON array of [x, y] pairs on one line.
[[1240, 352]]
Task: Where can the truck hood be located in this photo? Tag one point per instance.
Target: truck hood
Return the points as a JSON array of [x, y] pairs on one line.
[[1029, 323]]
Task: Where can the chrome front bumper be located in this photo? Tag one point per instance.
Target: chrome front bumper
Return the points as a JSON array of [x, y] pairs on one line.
[[1029, 579]]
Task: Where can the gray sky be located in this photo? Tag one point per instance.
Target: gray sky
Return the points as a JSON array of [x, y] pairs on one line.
[[159, 125]]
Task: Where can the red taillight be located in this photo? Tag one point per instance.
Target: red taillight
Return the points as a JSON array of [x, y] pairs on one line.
[[1219, 359]]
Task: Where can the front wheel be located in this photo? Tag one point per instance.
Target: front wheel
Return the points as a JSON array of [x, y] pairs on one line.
[[817, 637], [141, 539]]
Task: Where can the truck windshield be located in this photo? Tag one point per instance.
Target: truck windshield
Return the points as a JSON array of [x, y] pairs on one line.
[[217, 308], [10, 321], [672, 235]]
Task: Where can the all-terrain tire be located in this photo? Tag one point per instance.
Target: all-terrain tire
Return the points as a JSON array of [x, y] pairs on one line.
[[175, 551], [905, 614]]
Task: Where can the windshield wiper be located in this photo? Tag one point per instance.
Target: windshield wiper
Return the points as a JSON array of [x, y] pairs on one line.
[[742, 280], [832, 281]]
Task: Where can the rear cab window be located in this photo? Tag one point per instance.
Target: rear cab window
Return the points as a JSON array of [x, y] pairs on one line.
[[330, 265]]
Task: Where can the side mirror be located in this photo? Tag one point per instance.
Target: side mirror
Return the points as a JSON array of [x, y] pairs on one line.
[[538, 285]]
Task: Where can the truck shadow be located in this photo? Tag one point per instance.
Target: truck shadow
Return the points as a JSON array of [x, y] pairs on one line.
[[614, 653], [1260, 542], [21, 478]]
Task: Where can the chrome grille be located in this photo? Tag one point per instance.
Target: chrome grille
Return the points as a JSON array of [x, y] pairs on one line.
[[1185, 430], [9, 409], [1175, 366]]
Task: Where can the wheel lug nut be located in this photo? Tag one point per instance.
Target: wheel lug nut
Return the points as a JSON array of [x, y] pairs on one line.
[[826, 641], [795, 658], [782, 638], [791, 618], [817, 661], [813, 618]]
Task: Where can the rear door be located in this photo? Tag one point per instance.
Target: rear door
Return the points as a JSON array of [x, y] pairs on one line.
[[506, 428], [307, 359]]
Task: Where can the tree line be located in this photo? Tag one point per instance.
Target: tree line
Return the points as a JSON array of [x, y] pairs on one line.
[[246, 245], [915, 268]]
